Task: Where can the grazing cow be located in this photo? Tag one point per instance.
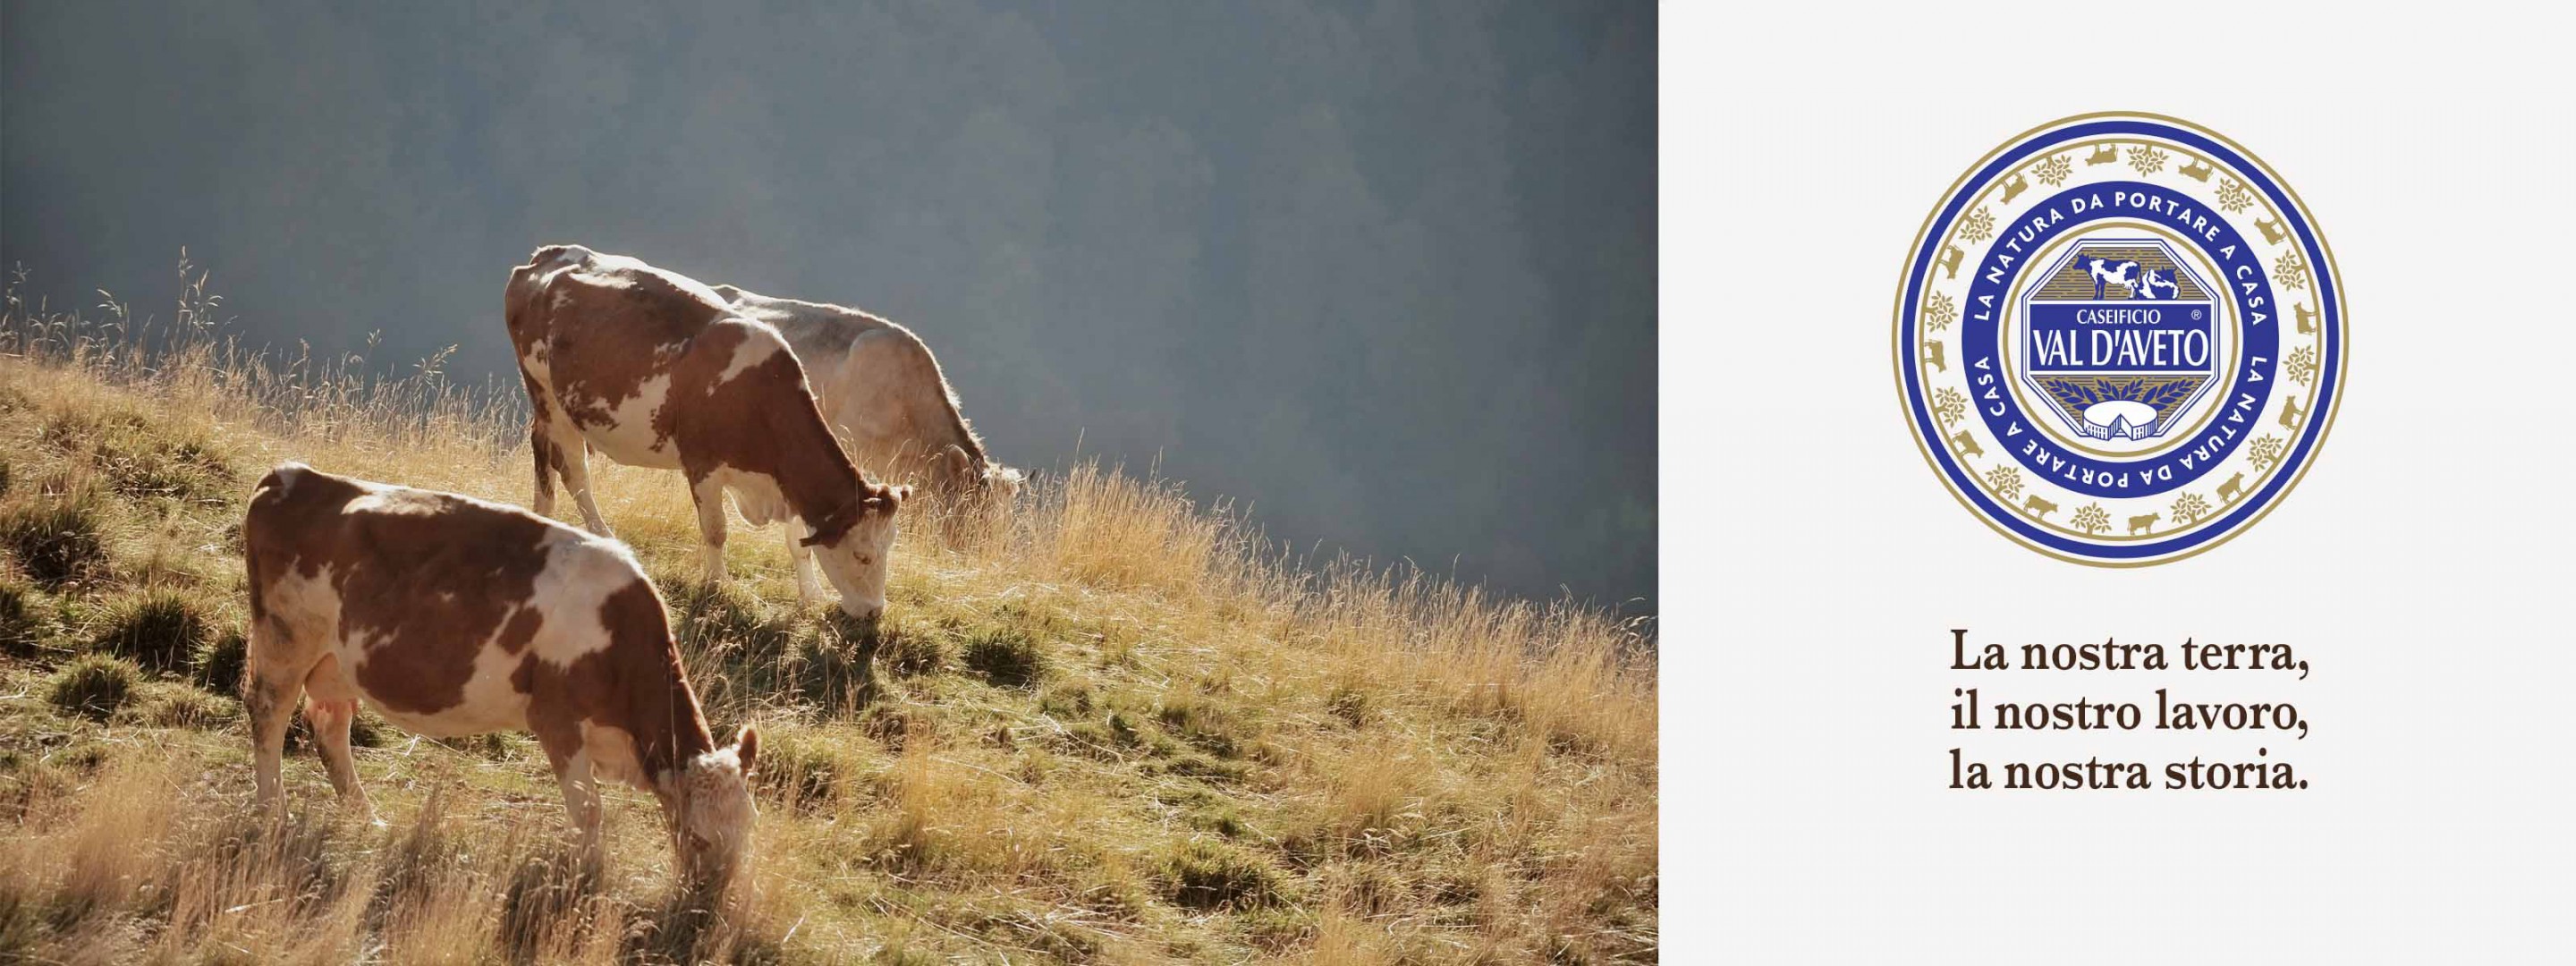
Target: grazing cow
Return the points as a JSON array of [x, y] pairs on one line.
[[452, 616], [650, 368], [883, 390], [2149, 280]]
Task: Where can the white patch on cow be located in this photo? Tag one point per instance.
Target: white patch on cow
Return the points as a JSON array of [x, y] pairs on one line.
[[580, 573], [753, 351], [629, 436], [397, 503]]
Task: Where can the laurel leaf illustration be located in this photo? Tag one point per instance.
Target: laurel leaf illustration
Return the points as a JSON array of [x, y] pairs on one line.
[[2074, 394], [2168, 393]]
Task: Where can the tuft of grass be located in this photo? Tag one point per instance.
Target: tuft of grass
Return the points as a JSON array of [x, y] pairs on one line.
[[93, 686], [1193, 764], [1066, 699], [906, 650], [1201, 722], [57, 541], [800, 770], [181, 706], [1003, 656], [1209, 874], [17, 615], [218, 666], [1349, 704], [160, 630]]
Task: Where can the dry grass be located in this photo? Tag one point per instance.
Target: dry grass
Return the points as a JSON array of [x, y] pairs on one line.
[[1108, 726]]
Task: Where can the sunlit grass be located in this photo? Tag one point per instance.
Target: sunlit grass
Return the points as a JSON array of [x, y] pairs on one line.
[[1105, 726]]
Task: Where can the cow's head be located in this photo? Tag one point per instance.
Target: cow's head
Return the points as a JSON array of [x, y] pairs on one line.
[[711, 811], [855, 546], [1003, 483], [955, 473]]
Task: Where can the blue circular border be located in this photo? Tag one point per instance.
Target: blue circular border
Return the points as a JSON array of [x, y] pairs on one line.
[[2235, 382], [2329, 366]]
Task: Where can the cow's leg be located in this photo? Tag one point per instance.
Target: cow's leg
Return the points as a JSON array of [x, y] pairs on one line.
[[581, 806], [710, 497], [566, 750], [331, 706], [541, 450], [270, 688], [809, 586], [574, 463]]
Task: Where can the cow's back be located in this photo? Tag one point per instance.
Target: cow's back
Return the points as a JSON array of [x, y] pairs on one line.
[[819, 333], [876, 381]]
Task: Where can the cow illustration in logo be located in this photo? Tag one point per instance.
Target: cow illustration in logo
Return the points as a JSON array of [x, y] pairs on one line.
[[2105, 273], [2149, 343], [2153, 280]]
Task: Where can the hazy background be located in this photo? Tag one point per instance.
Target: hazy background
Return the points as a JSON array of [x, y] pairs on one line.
[[1384, 270]]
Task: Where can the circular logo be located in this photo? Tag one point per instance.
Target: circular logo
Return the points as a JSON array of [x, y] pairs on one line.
[[2120, 339]]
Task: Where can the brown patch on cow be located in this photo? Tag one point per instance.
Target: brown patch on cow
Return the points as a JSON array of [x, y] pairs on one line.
[[521, 629], [425, 579]]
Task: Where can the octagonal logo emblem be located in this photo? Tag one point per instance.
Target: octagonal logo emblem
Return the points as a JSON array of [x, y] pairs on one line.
[[2119, 339]]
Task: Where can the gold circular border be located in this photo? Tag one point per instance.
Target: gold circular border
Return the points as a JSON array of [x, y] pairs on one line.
[[2235, 347], [2343, 360], [2308, 390]]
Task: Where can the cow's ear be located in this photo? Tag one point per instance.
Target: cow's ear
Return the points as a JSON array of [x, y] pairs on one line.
[[747, 748], [833, 525]]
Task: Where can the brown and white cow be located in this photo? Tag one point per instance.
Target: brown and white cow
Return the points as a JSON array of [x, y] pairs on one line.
[[649, 368], [451, 616], [881, 387]]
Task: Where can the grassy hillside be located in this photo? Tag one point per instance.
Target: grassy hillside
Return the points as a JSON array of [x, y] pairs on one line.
[[1107, 727]]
